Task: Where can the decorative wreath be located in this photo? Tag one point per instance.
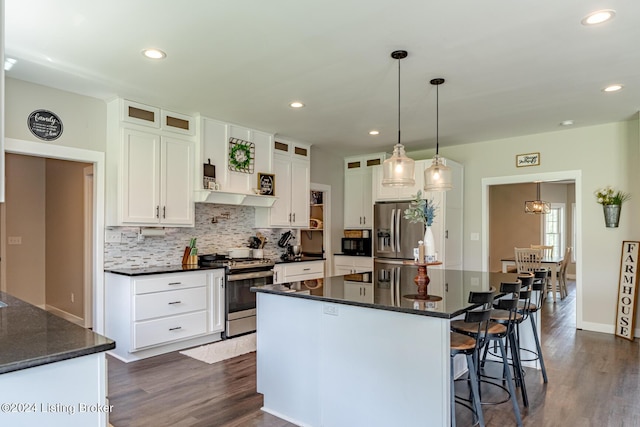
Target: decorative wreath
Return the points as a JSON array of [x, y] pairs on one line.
[[241, 155]]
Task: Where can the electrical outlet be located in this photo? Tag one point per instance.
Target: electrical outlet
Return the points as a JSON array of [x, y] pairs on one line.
[[475, 236], [475, 281], [331, 310], [14, 240], [111, 236], [73, 297]]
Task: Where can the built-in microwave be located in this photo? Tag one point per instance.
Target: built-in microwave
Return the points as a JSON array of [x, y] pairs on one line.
[[356, 246]]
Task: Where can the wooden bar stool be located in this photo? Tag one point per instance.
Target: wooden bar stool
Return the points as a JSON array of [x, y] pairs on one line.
[[496, 332], [469, 346], [529, 310]]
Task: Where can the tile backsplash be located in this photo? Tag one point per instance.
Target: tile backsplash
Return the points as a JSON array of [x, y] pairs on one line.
[[213, 237]]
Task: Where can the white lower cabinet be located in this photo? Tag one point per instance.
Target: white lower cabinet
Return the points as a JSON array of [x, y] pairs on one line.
[[154, 314], [346, 264], [358, 291], [298, 271]]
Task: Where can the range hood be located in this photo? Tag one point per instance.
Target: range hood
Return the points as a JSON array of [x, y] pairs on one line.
[[227, 198]]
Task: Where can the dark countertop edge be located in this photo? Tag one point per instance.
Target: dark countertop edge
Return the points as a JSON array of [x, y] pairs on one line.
[[53, 358], [145, 271], [427, 313], [304, 259], [357, 256]]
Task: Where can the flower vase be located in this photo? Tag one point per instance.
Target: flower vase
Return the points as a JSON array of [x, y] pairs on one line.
[[611, 215], [429, 244]]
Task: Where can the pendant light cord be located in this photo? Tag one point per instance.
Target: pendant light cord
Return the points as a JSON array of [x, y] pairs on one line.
[[437, 119], [399, 60]]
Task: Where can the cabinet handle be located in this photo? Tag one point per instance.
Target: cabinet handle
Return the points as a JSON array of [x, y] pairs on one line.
[[446, 234], [360, 220], [164, 212], [157, 211], [294, 217], [306, 269], [174, 283], [176, 328], [175, 302], [364, 292], [364, 220], [275, 276], [289, 217]]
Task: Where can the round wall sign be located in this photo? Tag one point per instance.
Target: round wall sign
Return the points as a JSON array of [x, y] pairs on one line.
[[45, 125]]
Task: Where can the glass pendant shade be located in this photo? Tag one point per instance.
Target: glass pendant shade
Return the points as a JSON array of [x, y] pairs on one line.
[[437, 177], [537, 206], [397, 171]]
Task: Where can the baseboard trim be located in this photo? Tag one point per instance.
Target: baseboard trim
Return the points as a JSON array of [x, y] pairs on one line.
[[65, 315]]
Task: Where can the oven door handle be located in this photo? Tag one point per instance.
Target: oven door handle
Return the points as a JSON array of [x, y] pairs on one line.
[[254, 275]]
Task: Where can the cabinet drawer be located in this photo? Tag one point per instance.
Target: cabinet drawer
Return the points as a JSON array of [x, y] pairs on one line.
[[363, 263], [153, 332], [169, 303], [303, 268], [169, 282]]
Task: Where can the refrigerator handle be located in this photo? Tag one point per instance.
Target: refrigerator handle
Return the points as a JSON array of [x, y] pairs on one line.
[[398, 218], [393, 230], [392, 273], [396, 286]]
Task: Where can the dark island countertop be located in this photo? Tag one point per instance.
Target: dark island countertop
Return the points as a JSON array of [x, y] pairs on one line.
[[304, 258], [144, 271], [30, 337], [392, 287]]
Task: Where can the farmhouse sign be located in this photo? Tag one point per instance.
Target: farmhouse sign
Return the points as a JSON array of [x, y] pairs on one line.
[[627, 290], [45, 125]]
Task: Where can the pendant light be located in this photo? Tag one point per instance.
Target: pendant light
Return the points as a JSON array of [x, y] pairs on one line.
[[537, 206], [437, 177], [398, 169]]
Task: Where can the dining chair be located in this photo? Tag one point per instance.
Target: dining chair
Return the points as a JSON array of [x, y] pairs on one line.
[[562, 273], [547, 251], [527, 259]]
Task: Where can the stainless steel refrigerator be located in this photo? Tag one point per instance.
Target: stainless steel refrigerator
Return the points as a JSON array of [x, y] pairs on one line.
[[394, 236]]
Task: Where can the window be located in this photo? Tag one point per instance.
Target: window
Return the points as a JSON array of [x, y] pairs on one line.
[[553, 229]]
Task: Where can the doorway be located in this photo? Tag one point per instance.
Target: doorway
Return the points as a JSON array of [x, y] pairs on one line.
[[95, 160], [576, 220], [316, 240]]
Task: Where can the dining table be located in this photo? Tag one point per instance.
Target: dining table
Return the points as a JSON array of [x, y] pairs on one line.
[[553, 263]]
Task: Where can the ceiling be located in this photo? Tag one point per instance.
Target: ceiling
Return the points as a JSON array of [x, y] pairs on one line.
[[511, 67]]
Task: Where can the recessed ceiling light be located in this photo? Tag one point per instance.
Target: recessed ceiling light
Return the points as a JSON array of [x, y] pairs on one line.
[[296, 104], [598, 17], [613, 88], [374, 132], [566, 123], [154, 54], [9, 63]]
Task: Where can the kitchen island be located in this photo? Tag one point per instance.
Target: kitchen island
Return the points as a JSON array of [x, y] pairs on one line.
[[52, 372], [357, 350]]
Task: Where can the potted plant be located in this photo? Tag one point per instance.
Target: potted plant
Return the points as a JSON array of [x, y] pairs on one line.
[[424, 211], [611, 201]]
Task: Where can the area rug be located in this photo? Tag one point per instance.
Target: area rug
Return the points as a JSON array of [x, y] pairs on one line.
[[222, 350]]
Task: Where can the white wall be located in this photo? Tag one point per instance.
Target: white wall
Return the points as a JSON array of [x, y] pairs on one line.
[[606, 155]]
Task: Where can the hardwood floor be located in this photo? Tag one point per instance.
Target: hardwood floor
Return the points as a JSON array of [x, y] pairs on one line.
[[594, 380]]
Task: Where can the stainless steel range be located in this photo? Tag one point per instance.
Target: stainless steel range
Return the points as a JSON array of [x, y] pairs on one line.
[[241, 275]]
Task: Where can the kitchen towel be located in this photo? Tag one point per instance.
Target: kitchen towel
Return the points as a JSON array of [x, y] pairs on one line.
[[222, 350]]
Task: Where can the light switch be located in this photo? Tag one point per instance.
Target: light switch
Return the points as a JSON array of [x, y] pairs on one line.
[[111, 236], [475, 236], [14, 240]]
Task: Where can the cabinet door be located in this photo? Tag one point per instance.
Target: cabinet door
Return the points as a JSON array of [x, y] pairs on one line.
[[367, 198], [217, 301], [341, 270], [379, 191], [281, 209], [407, 193], [176, 204], [140, 177], [353, 199], [300, 191]]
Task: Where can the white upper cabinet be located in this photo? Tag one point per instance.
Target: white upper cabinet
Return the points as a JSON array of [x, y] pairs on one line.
[[358, 181], [217, 138], [150, 169], [381, 193], [292, 187]]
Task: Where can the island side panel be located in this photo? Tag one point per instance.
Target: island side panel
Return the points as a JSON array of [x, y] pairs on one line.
[[70, 393], [330, 364], [384, 368], [288, 357]]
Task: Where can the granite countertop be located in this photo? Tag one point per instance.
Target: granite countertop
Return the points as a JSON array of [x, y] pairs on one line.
[[392, 287], [143, 271], [30, 337], [359, 256]]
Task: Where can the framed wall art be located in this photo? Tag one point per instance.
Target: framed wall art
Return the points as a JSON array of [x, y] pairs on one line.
[[241, 155], [267, 184], [528, 159]]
